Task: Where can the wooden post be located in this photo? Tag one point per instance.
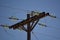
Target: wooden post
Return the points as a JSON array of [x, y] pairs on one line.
[[28, 29]]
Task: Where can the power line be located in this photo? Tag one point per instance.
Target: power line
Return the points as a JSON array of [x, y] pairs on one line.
[[38, 23], [12, 18], [35, 35], [43, 25], [28, 21], [47, 35], [7, 32], [20, 9]]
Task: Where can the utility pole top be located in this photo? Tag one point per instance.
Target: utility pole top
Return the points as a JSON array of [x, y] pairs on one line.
[[33, 19]]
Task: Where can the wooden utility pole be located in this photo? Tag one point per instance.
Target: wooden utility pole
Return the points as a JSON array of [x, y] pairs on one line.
[[28, 29], [34, 20]]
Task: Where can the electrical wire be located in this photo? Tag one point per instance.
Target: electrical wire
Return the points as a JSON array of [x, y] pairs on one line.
[[44, 34], [17, 8], [6, 27], [54, 27], [14, 8], [20, 9], [20, 19], [58, 18], [24, 19], [35, 35], [55, 17], [7, 32], [12, 18], [49, 26], [3, 16]]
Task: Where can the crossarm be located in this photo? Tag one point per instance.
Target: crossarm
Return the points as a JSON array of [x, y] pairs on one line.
[[34, 18]]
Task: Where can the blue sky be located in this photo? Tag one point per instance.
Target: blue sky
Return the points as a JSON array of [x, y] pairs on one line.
[[19, 9]]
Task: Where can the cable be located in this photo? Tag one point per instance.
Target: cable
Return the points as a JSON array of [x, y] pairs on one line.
[[54, 27], [38, 23], [6, 27], [35, 35], [20, 9], [3, 17], [48, 35], [48, 26], [12, 18], [17, 9], [58, 18], [7, 32], [55, 17], [24, 19]]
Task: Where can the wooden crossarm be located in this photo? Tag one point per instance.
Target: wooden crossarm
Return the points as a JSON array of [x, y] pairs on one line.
[[34, 18]]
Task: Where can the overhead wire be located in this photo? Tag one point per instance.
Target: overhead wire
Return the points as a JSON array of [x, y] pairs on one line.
[[20, 9], [55, 17], [44, 25], [17, 8], [10, 18], [35, 35], [50, 27], [19, 19], [57, 20], [47, 26], [7, 31], [44, 34], [53, 27], [51, 36]]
